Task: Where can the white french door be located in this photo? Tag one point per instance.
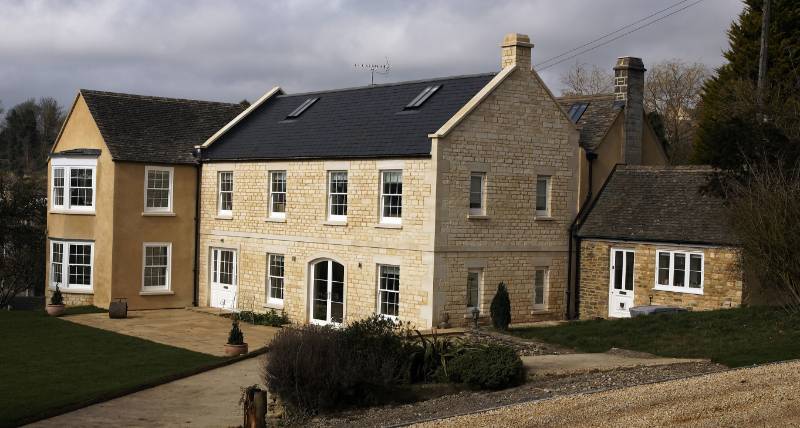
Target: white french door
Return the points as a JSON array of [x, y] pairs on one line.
[[620, 297], [223, 278], [327, 292]]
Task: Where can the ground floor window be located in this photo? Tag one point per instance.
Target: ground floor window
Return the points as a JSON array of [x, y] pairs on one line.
[[540, 284], [71, 265], [680, 271], [474, 279], [389, 290], [156, 266], [275, 278]]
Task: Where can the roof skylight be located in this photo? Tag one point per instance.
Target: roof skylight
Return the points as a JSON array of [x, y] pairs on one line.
[[301, 108], [422, 97], [576, 111]]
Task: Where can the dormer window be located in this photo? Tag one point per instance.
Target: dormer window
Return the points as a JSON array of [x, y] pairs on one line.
[[301, 108], [422, 97], [576, 111]]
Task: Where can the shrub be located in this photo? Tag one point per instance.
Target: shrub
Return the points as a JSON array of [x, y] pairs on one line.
[[487, 367], [57, 298], [235, 337], [314, 368], [429, 358], [271, 318], [501, 308]]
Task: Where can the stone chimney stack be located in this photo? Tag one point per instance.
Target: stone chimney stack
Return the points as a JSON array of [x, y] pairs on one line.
[[629, 88], [516, 50]]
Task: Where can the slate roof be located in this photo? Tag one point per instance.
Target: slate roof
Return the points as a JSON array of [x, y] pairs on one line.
[[658, 204], [140, 128], [348, 123], [597, 118]]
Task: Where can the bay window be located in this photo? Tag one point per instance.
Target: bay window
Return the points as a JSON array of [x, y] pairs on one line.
[[73, 184], [71, 265]]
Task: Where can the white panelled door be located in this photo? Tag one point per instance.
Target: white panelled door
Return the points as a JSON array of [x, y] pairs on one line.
[[620, 297], [223, 278]]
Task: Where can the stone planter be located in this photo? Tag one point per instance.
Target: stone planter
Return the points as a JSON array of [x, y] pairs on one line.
[[55, 310], [234, 350]]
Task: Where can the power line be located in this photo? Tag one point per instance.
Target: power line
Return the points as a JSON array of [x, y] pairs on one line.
[[611, 33], [619, 37]]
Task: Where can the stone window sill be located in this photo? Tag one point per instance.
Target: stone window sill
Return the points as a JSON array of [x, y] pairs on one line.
[[157, 293], [680, 290], [274, 305], [543, 218], [335, 223], [158, 214], [541, 312], [477, 217], [69, 212], [275, 219], [389, 225], [224, 217], [73, 291]]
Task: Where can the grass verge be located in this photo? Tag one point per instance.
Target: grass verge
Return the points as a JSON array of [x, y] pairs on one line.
[[49, 364], [733, 337]]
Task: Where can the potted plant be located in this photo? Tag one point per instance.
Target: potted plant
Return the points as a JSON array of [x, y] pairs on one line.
[[236, 345], [56, 306]]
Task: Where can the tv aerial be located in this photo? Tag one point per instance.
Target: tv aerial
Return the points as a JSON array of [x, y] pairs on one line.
[[380, 69]]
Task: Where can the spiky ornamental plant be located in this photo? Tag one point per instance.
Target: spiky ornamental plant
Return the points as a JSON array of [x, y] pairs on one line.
[[235, 337], [501, 308], [57, 298]]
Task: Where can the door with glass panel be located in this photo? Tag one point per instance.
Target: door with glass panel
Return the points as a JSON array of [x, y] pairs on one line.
[[327, 292], [223, 278], [620, 298]]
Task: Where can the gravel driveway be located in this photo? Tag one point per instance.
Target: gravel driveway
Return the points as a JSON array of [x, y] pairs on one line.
[[761, 396]]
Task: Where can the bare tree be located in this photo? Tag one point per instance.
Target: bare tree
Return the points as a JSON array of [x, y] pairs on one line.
[[673, 89], [582, 80], [50, 118]]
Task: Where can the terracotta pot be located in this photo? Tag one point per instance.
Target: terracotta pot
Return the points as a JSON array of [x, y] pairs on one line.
[[234, 350], [55, 310]]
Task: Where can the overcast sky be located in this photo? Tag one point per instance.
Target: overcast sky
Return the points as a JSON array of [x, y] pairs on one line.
[[230, 50]]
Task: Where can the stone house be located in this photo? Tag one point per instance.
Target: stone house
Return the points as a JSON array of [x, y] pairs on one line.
[[412, 200], [121, 206], [652, 237]]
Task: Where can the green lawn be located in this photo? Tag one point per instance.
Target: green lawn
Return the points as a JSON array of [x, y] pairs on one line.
[[733, 337], [47, 363]]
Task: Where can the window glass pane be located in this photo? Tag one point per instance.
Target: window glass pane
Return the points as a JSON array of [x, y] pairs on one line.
[[338, 193], [679, 274], [618, 267], [541, 194], [80, 191], [58, 186], [389, 288], [629, 265], [663, 268], [226, 267], [476, 191], [278, 191], [538, 287], [695, 270], [56, 266], [226, 191], [157, 189], [276, 276], [80, 264], [156, 263], [392, 194], [473, 283]]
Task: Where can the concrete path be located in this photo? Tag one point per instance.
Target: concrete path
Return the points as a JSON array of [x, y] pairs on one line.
[[759, 396], [209, 399], [549, 365], [180, 328]]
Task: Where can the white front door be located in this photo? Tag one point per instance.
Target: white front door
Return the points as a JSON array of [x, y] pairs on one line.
[[620, 297], [223, 278], [327, 292]]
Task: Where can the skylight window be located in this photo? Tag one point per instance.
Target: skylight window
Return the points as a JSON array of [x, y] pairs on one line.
[[576, 111], [301, 108], [422, 97]]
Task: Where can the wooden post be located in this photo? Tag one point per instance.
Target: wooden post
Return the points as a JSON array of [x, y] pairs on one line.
[[255, 408]]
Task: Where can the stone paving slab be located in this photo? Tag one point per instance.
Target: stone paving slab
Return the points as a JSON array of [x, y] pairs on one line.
[[549, 365], [181, 328]]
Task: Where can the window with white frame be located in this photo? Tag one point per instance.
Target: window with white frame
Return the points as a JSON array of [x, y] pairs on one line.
[[156, 266], [389, 291], [158, 189], [225, 190], [277, 194], [543, 196], [275, 278], [391, 197], [679, 271], [477, 193], [71, 265], [541, 278], [474, 279], [73, 184], [337, 195]]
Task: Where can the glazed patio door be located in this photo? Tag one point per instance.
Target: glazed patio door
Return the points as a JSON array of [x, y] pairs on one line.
[[327, 283], [620, 297], [223, 278]]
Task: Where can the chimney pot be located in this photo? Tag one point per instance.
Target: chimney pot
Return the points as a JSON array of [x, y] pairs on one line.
[[516, 50]]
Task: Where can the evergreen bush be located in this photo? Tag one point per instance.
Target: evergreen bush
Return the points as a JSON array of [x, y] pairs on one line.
[[57, 298], [235, 337], [501, 308], [487, 367]]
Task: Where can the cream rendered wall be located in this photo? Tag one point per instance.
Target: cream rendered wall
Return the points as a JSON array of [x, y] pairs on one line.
[[81, 132], [515, 134], [306, 236]]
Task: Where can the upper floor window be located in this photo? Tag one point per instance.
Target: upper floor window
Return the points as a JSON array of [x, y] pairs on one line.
[[158, 189], [540, 285], [225, 197], [71, 265], [73, 184], [679, 271], [477, 193], [277, 194], [337, 195], [391, 197], [389, 291], [275, 278], [156, 267], [543, 196]]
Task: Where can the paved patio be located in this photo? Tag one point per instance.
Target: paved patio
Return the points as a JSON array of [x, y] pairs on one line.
[[200, 332]]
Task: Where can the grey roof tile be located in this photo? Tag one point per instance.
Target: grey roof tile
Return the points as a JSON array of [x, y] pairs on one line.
[[597, 119]]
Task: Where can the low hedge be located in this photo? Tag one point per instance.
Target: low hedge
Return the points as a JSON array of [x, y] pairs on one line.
[[487, 367]]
